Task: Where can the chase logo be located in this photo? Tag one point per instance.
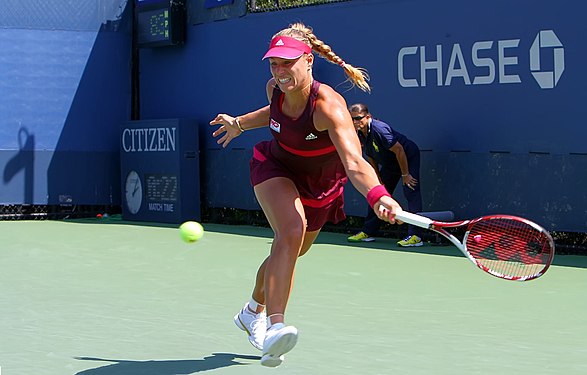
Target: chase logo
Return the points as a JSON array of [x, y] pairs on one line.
[[483, 62], [547, 39]]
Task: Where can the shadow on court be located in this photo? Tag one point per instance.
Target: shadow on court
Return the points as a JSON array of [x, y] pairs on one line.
[[166, 367]]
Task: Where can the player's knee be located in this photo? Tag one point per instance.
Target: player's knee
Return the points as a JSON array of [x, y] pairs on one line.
[[290, 240]]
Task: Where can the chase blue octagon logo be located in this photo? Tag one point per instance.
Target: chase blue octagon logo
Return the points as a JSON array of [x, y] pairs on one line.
[[547, 79]]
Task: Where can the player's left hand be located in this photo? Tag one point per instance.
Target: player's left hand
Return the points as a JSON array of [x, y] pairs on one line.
[[386, 208]]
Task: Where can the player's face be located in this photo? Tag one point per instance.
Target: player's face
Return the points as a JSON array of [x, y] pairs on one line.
[[360, 121], [291, 75]]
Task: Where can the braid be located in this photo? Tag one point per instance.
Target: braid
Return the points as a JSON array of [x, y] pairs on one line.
[[357, 76]]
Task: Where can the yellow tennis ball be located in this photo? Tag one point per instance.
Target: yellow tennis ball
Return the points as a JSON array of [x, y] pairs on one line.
[[191, 231]]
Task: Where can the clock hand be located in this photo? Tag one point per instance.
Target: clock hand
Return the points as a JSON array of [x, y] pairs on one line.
[[136, 187]]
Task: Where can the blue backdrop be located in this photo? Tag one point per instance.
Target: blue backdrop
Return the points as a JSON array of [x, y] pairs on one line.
[[492, 92]]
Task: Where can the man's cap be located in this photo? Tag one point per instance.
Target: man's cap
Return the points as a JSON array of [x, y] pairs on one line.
[[286, 47]]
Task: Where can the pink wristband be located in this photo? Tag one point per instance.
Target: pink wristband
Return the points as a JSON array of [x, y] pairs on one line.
[[376, 193]]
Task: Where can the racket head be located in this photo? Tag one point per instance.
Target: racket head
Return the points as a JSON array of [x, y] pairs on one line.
[[509, 247]]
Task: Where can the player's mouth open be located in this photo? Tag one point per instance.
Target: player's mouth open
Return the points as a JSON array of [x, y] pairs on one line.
[[283, 80]]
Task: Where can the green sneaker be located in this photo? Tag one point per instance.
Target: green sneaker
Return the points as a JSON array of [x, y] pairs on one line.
[[411, 241], [361, 237]]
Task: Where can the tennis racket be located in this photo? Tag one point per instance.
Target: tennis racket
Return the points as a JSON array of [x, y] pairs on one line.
[[509, 247]]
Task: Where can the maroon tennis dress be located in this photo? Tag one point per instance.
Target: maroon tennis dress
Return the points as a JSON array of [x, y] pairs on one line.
[[305, 156]]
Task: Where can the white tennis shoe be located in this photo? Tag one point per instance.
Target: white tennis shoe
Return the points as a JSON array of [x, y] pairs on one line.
[[279, 340], [255, 325]]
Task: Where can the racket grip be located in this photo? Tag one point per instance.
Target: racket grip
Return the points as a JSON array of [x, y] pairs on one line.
[[410, 218]]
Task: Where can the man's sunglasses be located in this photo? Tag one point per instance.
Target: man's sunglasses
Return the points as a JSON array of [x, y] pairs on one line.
[[358, 118]]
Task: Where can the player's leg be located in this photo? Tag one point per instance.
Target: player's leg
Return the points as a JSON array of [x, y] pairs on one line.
[[282, 206], [259, 289], [252, 317], [280, 338], [309, 239]]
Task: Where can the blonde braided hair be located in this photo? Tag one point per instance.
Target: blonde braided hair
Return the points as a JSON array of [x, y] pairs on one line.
[[357, 76]]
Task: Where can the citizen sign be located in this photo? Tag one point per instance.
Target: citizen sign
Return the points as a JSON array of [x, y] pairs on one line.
[[148, 140], [482, 63]]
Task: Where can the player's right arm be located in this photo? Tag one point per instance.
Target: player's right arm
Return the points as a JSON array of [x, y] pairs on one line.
[[231, 127]]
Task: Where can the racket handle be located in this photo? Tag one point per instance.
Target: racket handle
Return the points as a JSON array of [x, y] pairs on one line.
[[410, 218]]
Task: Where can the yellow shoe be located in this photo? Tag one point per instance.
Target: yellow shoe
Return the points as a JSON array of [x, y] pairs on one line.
[[411, 241], [361, 237]]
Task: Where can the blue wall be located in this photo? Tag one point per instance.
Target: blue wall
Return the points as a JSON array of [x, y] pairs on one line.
[[65, 90], [456, 76], [493, 140]]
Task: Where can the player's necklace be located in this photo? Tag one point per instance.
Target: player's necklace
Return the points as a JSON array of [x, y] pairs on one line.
[[308, 85]]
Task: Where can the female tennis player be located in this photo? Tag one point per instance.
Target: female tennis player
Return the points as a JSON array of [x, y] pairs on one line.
[[299, 175]]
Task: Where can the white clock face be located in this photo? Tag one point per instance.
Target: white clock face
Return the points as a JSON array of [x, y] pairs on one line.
[[134, 192]]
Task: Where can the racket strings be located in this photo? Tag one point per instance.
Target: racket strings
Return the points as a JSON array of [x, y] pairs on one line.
[[510, 248]]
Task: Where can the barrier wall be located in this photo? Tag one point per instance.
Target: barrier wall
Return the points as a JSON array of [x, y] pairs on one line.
[[492, 93], [65, 88]]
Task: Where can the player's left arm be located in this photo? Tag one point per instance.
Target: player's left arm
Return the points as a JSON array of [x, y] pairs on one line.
[[332, 115]]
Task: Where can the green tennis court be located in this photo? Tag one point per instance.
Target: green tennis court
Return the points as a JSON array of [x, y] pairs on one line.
[[106, 297]]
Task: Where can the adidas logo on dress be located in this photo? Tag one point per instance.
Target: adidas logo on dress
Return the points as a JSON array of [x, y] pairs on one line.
[[310, 137]]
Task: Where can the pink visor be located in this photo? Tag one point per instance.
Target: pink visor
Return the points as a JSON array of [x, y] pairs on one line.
[[286, 47]]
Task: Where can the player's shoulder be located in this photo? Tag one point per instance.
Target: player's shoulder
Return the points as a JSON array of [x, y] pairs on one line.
[[330, 108], [327, 97]]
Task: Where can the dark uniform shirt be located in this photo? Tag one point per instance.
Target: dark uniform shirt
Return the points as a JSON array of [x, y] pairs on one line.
[[379, 140]]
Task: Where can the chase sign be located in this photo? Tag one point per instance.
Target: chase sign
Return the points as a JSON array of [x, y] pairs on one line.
[[482, 63]]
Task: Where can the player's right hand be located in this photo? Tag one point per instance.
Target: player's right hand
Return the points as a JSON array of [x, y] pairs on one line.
[[228, 128]]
